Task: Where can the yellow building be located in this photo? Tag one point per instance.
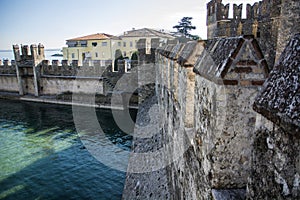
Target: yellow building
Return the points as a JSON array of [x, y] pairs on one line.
[[130, 39], [98, 46], [103, 46]]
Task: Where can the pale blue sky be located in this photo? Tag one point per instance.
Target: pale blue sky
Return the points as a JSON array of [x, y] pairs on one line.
[[51, 22]]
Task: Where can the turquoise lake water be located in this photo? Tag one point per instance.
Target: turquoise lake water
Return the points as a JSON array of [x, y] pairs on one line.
[[42, 157]]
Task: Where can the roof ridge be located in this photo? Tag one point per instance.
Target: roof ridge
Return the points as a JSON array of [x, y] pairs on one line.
[[95, 36], [146, 32]]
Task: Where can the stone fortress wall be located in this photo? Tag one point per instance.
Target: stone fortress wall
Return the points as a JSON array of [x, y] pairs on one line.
[[229, 106], [208, 105], [8, 80], [270, 21], [30, 75]]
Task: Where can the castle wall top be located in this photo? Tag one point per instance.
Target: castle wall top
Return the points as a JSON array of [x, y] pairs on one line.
[[7, 63], [36, 53], [217, 11]]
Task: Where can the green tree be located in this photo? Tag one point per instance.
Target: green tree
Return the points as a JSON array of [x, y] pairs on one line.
[[118, 56], [185, 26], [134, 56], [134, 59]]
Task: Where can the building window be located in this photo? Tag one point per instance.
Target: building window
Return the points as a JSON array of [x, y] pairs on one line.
[[131, 44], [124, 44], [94, 44], [96, 54], [104, 44], [124, 53], [72, 43], [83, 43], [119, 44], [73, 55]]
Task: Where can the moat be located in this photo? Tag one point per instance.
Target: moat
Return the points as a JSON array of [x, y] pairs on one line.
[[42, 156]]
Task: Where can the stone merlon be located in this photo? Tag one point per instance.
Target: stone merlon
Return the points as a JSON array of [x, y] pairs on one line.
[[232, 55], [279, 100], [185, 55]]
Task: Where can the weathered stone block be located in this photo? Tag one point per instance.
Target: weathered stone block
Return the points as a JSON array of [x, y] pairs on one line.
[[245, 83]]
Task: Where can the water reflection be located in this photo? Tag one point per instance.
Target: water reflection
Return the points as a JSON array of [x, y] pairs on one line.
[[41, 156]]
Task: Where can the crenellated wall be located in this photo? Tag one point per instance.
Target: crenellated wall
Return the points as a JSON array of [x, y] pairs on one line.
[[31, 75], [221, 25], [272, 22], [8, 76], [73, 69], [8, 67]]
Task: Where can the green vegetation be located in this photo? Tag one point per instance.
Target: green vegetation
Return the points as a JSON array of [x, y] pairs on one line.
[[134, 56], [185, 26], [134, 59], [118, 56]]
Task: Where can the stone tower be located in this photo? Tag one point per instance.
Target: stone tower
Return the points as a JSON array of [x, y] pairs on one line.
[[289, 24], [219, 24], [264, 20], [27, 67]]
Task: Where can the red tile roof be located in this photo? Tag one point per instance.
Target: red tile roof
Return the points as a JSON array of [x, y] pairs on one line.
[[97, 36]]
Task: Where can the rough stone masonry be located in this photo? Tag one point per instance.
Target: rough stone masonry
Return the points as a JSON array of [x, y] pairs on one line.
[[221, 146]]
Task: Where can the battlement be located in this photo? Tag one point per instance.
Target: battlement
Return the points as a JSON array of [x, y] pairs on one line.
[[92, 68], [217, 11], [35, 53], [7, 67], [75, 63], [6, 63], [260, 19]]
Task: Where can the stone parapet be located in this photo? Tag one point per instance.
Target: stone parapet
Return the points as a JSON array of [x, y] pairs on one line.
[[208, 87], [8, 67]]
